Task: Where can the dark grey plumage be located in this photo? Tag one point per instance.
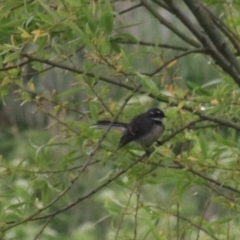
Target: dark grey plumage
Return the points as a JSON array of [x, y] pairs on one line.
[[145, 128]]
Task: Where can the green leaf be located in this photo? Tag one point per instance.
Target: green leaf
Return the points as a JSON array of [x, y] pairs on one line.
[[107, 22], [227, 142], [113, 206], [12, 217], [70, 92], [114, 45], [148, 84], [1, 62], [49, 10], [212, 83], [94, 111], [10, 57], [16, 205], [45, 194], [125, 37], [204, 146], [107, 18]]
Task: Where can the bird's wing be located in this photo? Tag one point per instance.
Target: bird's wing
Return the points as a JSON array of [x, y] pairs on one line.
[[135, 130]]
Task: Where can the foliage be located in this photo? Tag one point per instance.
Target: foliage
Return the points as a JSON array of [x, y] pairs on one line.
[[66, 64]]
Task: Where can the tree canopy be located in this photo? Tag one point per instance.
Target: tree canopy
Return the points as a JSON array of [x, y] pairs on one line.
[[66, 64]]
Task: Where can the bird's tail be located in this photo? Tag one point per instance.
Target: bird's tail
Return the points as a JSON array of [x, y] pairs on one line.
[[107, 123]]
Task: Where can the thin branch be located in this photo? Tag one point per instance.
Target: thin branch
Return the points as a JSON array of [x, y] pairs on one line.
[[167, 46], [187, 220], [219, 168], [48, 172], [228, 230], [111, 65], [203, 214], [29, 61], [35, 96], [181, 166], [213, 189], [101, 100], [210, 179], [188, 125], [170, 26], [57, 120], [124, 211], [130, 9], [200, 50], [21, 4], [136, 212], [43, 227], [178, 222], [205, 126], [15, 66], [214, 181]]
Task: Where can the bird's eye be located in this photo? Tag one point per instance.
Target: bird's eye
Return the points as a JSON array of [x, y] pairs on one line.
[[152, 113]]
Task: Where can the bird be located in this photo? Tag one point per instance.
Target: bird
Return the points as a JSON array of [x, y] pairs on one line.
[[145, 129]]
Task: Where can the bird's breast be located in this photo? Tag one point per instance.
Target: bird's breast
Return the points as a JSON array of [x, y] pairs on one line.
[[153, 135]]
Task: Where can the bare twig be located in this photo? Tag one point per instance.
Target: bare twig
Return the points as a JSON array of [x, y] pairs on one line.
[[186, 126], [179, 166], [130, 9], [203, 214], [43, 227], [15, 66], [178, 222], [101, 100], [208, 178], [49, 172], [125, 210], [58, 120], [136, 212]]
